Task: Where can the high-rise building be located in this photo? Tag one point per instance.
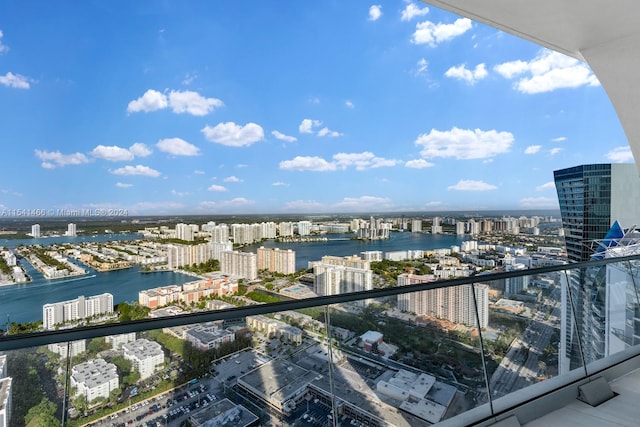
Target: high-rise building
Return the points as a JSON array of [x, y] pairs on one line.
[[35, 230], [304, 228], [333, 279], [459, 228], [285, 229], [68, 311], [416, 226], [181, 255], [454, 303], [184, 232], [242, 264], [220, 234], [274, 259], [71, 230], [591, 198]]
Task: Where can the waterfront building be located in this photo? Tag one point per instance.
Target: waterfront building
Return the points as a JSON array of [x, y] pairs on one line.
[[416, 226], [276, 260], [73, 348], [145, 356], [242, 234], [459, 228], [285, 229], [304, 228], [181, 255], [184, 232], [240, 264], [591, 198], [372, 255], [374, 229], [473, 227], [455, 303], [436, 228], [6, 405], [208, 227], [9, 258], [71, 230], [69, 311], [35, 230], [403, 255], [159, 297], [95, 378]]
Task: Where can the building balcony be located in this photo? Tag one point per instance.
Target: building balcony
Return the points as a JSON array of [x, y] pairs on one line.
[[381, 367]]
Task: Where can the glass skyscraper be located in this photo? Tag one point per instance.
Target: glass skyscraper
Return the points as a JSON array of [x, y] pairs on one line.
[[591, 197]]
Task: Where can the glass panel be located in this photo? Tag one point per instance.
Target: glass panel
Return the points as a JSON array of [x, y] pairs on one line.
[[611, 323], [523, 337], [410, 360]]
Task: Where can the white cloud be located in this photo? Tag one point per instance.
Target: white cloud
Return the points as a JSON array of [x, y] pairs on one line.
[[532, 149], [470, 76], [282, 137], [180, 102], [349, 104], [242, 165], [3, 47], [471, 185], [411, 11], [418, 164], [307, 125], [555, 151], [539, 203], [232, 178], [152, 100], [16, 81], [139, 149], [314, 100], [234, 135], [364, 203], [177, 147], [547, 72], [362, 161], [55, 159], [620, 155], [280, 184], [559, 139], [432, 34], [113, 153], [307, 163], [546, 186], [330, 133], [199, 172], [136, 170], [423, 66], [464, 143], [375, 12], [123, 185], [217, 188], [179, 193], [192, 102]]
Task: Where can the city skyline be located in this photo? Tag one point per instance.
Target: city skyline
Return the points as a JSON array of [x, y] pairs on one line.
[[394, 106]]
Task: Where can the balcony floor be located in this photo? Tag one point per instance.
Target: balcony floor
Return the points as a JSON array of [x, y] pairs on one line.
[[622, 410]]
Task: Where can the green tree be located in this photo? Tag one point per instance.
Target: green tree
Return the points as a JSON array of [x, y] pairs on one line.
[[42, 415]]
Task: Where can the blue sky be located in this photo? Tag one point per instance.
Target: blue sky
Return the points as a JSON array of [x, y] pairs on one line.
[[163, 107]]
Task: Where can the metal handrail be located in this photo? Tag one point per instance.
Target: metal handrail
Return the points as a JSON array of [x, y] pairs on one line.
[[12, 342]]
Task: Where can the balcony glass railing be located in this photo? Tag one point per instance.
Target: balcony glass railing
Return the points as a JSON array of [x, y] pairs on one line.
[[405, 356]]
